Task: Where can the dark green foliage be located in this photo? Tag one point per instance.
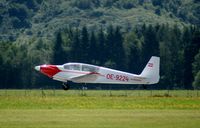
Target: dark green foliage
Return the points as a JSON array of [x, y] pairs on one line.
[[115, 47], [196, 1], [132, 48], [50, 16], [31, 4], [157, 2], [93, 49], [196, 71], [128, 5], [177, 55], [96, 14], [18, 11], [59, 54], [102, 47], [20, 23], [196, 83], [75, 50], [196, 64], [130, 51], [118, 50], [191, 49], [84, 45], [109, 49], [83, 4], [141, 2], [151, 43], [157, 11], [1, 19]]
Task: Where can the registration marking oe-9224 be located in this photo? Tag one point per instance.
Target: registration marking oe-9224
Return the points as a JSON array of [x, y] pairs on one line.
[[117, 77]]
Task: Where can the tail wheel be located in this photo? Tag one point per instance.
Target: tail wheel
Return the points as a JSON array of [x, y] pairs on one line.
[[66, 86]]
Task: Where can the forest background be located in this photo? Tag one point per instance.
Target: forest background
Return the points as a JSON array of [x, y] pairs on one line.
[[118, 34]]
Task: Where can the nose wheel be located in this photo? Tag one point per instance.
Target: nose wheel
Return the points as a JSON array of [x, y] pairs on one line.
[[65, 86]]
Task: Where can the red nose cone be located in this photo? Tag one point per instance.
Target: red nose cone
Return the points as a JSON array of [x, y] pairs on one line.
[[49, 70]]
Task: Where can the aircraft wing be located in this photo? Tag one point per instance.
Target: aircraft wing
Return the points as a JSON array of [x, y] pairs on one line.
[[86, 78]]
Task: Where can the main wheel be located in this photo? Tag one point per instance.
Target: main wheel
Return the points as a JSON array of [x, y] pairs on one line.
[[144, 87], [66, 86]]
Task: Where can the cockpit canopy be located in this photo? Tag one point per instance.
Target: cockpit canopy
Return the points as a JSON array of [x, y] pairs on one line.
[[81, 67], [72, 67]]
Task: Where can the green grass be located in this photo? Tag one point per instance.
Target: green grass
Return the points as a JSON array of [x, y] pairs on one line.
[[11, 102], [102, 93], [99, 118], [74, 99], [93, 109]]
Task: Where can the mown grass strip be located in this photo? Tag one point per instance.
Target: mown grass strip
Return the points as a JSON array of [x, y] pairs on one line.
[[80, 102], [102, 93], [98, 118]]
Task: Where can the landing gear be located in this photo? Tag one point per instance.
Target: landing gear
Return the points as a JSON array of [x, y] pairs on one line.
[[144, 87], [65, 86]]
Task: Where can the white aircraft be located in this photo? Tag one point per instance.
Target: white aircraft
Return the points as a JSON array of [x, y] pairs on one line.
[[86, 73]]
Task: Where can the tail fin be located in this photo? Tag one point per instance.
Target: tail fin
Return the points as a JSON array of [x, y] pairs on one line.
[[151, 71]]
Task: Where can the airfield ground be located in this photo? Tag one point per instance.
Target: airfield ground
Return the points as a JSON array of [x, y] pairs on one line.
[[97, 109]]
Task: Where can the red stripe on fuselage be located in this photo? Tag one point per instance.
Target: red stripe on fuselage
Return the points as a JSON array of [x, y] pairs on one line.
[[81, 72], [49, 70]]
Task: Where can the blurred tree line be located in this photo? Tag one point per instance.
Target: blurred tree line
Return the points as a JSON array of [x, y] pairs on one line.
[[179, 49]]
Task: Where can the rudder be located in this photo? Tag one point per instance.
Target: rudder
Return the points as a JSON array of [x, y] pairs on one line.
[[152, 70]]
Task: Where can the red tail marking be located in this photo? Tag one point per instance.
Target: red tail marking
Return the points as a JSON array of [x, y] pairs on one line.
[[150, 65]]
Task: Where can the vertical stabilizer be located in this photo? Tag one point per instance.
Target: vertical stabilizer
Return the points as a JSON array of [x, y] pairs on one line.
[[151, 71]]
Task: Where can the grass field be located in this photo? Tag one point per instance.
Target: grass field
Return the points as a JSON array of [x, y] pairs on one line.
[[93, 109]]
